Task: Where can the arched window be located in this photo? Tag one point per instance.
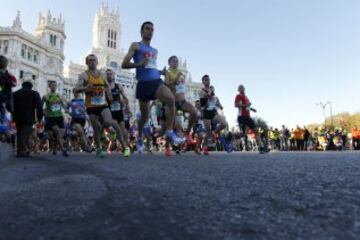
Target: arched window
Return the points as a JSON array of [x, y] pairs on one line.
[[23, 50]]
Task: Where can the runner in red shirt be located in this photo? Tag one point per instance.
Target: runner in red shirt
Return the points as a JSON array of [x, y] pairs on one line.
[[245, 121]]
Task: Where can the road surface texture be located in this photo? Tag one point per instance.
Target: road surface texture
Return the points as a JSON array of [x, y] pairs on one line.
[[223, 196]]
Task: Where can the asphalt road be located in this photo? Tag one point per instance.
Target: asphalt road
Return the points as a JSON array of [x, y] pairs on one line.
[[223, 196]]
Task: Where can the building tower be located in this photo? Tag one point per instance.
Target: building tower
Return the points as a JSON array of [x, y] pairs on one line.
[[51, 32], [106, 37]]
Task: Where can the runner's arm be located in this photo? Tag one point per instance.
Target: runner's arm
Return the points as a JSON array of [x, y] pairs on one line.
[[107, 87], [203, 98], [239, 103], [80, 85], [219, 104], [127, 64], [168, 81], [122, 93], [43, 101]]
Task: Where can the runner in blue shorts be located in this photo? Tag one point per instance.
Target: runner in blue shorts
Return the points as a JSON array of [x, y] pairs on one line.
[[150, 86]]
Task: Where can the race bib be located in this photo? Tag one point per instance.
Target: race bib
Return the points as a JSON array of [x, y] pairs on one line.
[[211, 104], [152, 60], [115, 106], [98, 99], [78, 110], [56, 107], [151, 64], [180, 88]]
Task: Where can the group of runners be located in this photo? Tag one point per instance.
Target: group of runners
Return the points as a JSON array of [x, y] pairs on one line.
[[106, 104]]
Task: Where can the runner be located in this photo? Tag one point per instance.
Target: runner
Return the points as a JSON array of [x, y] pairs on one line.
[[78, 120], [245, 121], [93, 83], [175, 80], [117, 106], [54, 118], [199, 129], [150, 86], [209, 103]]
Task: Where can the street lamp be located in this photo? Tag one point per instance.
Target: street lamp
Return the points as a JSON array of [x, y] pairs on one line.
[[323, 106]]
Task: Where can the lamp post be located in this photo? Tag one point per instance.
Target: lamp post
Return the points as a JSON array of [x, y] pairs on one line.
[[323, 106]]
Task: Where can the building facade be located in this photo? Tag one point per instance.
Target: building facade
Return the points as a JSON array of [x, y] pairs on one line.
[[40, 55]]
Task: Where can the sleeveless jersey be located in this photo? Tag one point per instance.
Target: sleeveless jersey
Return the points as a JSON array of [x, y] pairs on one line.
[[148, 72], [115, 106], [78, 108], [96, 97], [54, 105]]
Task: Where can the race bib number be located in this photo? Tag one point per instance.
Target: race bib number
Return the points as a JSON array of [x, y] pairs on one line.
[[151, 64], [152, 60], [56, 107], [98, 99], [115, 106]]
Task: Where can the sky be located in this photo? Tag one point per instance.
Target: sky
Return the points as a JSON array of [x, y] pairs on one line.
[[290, 55]]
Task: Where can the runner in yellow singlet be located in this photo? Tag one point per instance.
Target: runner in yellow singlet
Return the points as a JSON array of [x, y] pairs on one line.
[[93, 83]]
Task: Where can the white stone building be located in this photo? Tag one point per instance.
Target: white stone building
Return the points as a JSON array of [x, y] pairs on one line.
[[39, 55]]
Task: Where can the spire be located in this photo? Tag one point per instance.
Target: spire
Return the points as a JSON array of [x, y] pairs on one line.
[[17, 22], [48, 17], [104, 7]]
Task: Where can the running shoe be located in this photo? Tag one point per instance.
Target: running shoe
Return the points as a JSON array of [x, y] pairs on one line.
[[127, 152], [229, 147], [100, 153], [140, 145], [54, 152], [168, 152], [65, 153], [89, 150], [206, 151], [197, 152], [263, 150], [174, 139]]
